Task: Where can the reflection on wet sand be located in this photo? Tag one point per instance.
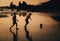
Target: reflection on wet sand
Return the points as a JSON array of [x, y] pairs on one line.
[[15, 35], [46, 23], [27, 34]]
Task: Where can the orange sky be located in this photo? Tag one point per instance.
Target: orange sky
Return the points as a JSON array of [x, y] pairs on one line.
[[7, 2]]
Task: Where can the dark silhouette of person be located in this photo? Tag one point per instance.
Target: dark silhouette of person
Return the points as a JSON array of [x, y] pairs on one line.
[[27, 18], [41, 26], [15, 35], [27, 35], [14, 20]]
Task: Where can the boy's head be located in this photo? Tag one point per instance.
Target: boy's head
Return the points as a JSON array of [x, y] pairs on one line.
[[30, 14], [14, 13]]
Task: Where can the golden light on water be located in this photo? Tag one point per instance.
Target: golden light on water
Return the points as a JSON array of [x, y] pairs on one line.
[[33, 27], [37, 19], [7, 2], [47, 32]]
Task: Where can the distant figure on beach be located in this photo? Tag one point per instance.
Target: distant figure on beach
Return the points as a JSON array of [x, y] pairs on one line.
[[14, 20], [41, 26], [27, 19]]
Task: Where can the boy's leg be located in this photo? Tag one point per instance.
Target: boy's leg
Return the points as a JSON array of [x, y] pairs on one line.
[[12, 25], [16, 26], [26, 23]]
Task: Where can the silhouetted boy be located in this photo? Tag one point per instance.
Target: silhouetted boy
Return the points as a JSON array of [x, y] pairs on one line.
[[14, 21], [27, 18]]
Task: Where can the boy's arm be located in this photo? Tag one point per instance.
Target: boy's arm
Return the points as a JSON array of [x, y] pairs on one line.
[[16, 19], [30, 18]]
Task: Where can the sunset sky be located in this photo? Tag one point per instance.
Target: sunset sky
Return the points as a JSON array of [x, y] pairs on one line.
[[7, 2]]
